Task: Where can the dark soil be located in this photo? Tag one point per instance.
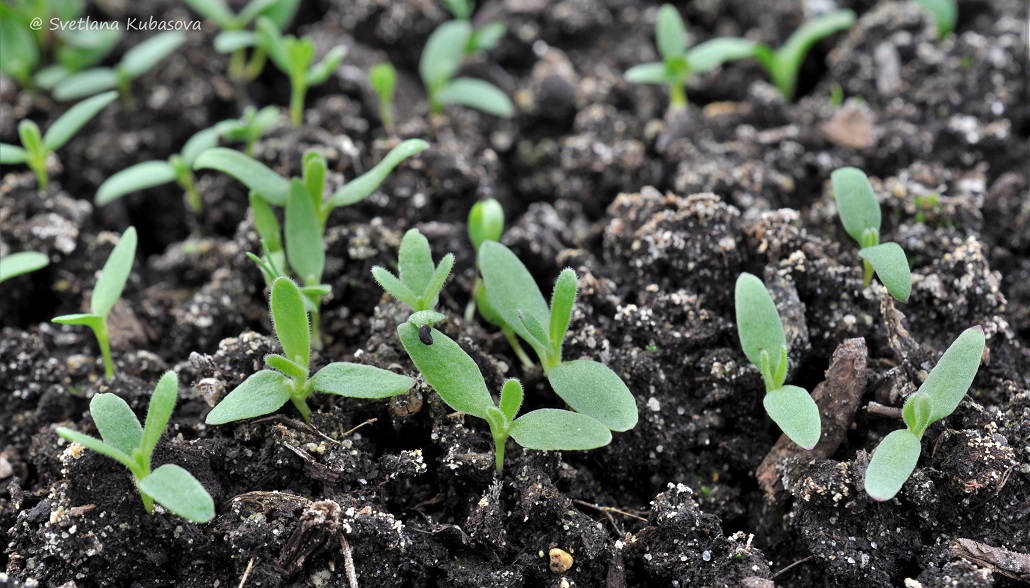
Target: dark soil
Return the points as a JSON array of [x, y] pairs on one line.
[[657, 214]]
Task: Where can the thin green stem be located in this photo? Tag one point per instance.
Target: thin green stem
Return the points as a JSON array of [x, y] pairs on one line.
[[192, 196], [237, 65], [868, 278], [677, 96], [499, 442], [257, 63], [100, 330], [38, 166], [517, 347], [316, 336], [302, 405], [470, 310], [297, 93]]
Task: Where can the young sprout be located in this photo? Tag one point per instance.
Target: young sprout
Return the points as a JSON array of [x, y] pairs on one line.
[[944, 14], [679, 62], [136, 62], [457, 379], [764, 344], [442, 57], [132, 445], [235, 40], [296, 58], [860, 214], [289, 378], [783, 64], [383, 78], [486, 223], [514, 299], [418, 282], [250, 127], [20, 263], [106, 292], [895, 458], [35, 149], [178, 168]]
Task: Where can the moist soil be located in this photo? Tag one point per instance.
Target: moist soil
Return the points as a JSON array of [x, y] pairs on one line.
[[658, 214]]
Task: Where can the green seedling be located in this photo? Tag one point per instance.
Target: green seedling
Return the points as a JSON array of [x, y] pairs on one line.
[[132, 445], [514, 299], [418, 282], [20, 263], [250, 127], [764, 344], [136, 62], [235, 40], [783, 64], [895, 458], [178, 168], [445, 51], [106, 292], [484, 38], [944, 14], [383, 79], [296, 58], [36, 148], [289, 378], [679, 62], [860, 214], [486, 223], [457, 379]]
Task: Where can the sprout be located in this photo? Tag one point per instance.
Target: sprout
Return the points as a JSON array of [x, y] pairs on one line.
[[106, 292], [764, 344], [24, 262], [383, 78], [895, 458], [944, 14], [486, 223], [445, 51], [250, 127], [36, 149], [234, 39], [418, 282], [288, 381], [136, 62], [783, 64], [296, 58]]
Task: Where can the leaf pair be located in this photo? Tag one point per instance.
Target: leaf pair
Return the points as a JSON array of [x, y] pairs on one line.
[[442, 57], [457, 379], [136, 62], [765, 345], [132, 445], [895, 458], [106, 292], [860, 213], [288, 379], [419, 281]]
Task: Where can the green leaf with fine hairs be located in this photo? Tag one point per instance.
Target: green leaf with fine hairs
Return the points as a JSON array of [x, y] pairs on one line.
[[511, 398], [951, 377], [891, 266], [536, 330], [709, 55], [670, 32], [141, 58], [116, 422], [200, 141], [917, 413], [321, 71], [90, 320], [893, 462], [649, 73], [789, 57], [550, 429], [95, 445], [178, 491], [86, 83], [11, 154], [485, 222], [20, 263], [478, 94], [314, 166], [383, 79], [415, 262], [758, 322], [265, 222], [393, 286], [216, 11], [230, 41], [264, 392], [797, 415], [432, 294], [360, 381], [253, 174], [162, 403], [511, 288], [562, 300], [290, 321], [449, 370], [74, 119], [288, 368], [133, 179], [444, 52], [115, 274], [594, 389], [360, 187], [944, 14], [856, 201], [425, 317], [304, 247]]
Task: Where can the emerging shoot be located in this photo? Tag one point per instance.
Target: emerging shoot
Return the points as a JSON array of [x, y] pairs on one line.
[[783, 64], [296, 58], [383, 79], [418, 282], [445, 51]]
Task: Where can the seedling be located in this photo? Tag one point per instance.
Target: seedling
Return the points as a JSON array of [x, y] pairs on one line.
[[106, 292], [132, 445], [136, 62], [486, 223], [783, 64], [678, 62], [895, 458], [588, 387], [235, 40], [418, 282], [457, 379], [178, 168], [944, 14], [764, 344], [35, 148], [383, 79], [24, 262], [442, 57], [296, 58], [250, 127], [860, 214], [288, 379]]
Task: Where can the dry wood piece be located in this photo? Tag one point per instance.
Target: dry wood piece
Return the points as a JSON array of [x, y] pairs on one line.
[[1007, 563], [837, 398]]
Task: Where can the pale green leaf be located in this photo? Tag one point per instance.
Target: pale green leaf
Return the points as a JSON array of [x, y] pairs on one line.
[[789, 57], [891, 266], [11, 154], [290, 321], [360, 381], [304, 247], [758, 322], [444, 52], [216, 11], [951, 377], [133, 179], [200, 141], [383, 79], [478, 94], [360, 187], [20, 263], [141, 58], [449, 370], [262, 393], [594, 389], [562, 300], [944, 14], [511, 288], [550, 429], [253, 174], [116, 422], [178, 491], [86, 83], [443, 269], [95, 445], [288, 368], [394, 286], [797, 415], [670, 32], [321, 71], [162, 403], [856, 201], [711, 54], [89, 320], [231, 41], [649, 73], [415, 262], [893, 462], [69, 123], [114, 275], [485, 222], [19, 53]]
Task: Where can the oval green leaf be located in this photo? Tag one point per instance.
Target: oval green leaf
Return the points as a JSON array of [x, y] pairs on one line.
[[114, 275], [20, 263], [550, 429], [178, 491], [360, 381], [797, 415], [758, 322], [290, 321], [138, 60], [74, 119], [304, 247], [360, 187], [478, 94], [133, 179], [856, 202], [511, 288], [86, 83], [954, 373], [444, 52], [893, 462], [253, 174], [116, 422], [449, 370], [594, 389], [162, 403], [262, 393], [891, 266], [711, 54], [670, 32], [649, 73]]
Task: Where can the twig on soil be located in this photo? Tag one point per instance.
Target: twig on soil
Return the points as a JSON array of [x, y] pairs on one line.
[[246, 573], [883, 410], [347, 433], [348, 562], [608, 510], [797, 563]]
